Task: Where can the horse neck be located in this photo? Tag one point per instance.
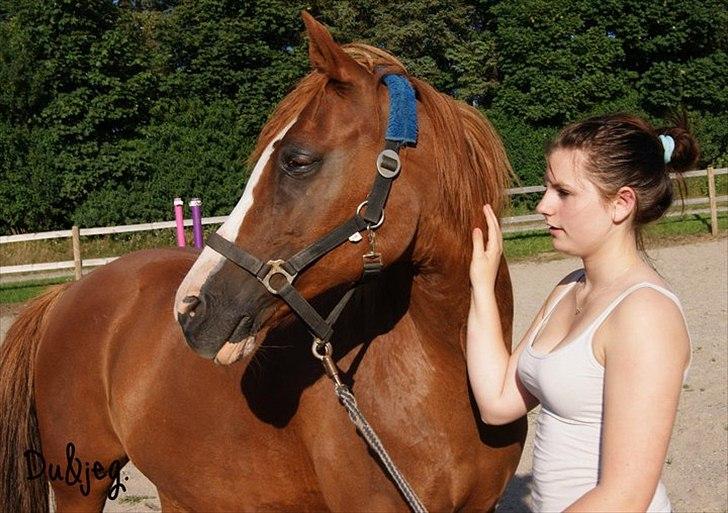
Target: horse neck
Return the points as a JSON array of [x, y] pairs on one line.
[[425, 307], [410, 307], [439, 306], [441, 285]]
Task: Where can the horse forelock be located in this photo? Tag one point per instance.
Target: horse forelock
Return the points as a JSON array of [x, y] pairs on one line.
[[471, 163]]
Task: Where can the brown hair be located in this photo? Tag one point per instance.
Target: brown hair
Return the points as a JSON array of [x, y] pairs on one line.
[[623, 150]]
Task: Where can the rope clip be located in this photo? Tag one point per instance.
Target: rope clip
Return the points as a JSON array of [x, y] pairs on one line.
[[332, 371]]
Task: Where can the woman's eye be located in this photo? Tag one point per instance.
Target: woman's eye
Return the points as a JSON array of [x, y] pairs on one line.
[[561, 192]]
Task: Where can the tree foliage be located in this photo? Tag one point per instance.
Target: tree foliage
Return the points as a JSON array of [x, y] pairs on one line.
[[109, 109], [440, 41]]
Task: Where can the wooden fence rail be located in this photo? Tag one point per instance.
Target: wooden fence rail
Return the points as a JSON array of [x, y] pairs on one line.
[[514, 224]]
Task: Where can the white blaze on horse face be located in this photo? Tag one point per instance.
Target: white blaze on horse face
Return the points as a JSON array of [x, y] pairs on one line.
[[210, 261]]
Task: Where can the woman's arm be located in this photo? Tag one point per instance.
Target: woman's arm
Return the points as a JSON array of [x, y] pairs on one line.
[[500, 396], [646, 352]]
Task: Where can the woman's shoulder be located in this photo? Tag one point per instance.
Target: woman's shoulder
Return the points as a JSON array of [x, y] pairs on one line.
[[647, 299], [648, 319], [649, 293], [648, 303]]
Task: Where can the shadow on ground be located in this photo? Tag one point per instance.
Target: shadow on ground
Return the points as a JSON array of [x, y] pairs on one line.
[[517, 496]]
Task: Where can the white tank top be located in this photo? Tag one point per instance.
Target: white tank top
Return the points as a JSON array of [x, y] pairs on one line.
[[569, 382]]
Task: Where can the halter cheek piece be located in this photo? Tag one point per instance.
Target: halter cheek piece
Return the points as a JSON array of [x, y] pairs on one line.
[[278, 275]]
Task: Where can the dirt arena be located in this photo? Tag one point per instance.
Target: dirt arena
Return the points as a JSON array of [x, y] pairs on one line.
[[696, 467]]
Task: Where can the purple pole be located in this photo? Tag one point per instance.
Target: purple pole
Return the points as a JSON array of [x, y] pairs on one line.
[[196, 208], [179, 218]]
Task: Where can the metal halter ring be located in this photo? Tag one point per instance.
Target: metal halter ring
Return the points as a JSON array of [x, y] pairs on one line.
[[381, 219], [319, 344], [276, 267], [385, 160]]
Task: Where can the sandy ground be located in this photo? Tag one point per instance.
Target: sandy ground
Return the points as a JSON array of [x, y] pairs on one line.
[[696, 468]]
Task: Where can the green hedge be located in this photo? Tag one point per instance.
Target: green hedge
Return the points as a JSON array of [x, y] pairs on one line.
[[109, 109]]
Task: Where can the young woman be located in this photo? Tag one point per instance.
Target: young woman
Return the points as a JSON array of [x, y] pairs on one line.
[[607, 353]]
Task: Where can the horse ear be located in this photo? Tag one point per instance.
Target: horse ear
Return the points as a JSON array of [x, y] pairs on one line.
[[327, 57]]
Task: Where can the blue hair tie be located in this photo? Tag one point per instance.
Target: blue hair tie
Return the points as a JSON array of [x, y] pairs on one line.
[[668, 143]]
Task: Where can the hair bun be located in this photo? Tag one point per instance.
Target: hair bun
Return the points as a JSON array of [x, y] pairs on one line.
[[686, 150]]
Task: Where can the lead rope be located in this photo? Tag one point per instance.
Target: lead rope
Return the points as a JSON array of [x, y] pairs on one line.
[[348, 401], [323, 351]]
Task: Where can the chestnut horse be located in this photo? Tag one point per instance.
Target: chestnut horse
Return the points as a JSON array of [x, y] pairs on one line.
[[98, 372]]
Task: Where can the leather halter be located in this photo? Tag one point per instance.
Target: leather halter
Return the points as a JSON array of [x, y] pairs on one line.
[[388, 167]]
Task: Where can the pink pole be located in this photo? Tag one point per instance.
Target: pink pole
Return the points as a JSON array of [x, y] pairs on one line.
[[196, 209], [179, 218]]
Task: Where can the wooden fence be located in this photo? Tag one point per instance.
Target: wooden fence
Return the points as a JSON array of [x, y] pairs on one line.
[[522, 223]]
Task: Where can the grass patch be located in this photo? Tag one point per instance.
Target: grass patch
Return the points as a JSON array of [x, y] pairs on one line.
[[519, 246], [97, 246], [23, 291], [666, 230]]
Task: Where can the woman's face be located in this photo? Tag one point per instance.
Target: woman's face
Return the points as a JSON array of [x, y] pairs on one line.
[[579, 221]]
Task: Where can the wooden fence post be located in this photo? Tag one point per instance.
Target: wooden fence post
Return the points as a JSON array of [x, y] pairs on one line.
[[76, 238], [713, 202]]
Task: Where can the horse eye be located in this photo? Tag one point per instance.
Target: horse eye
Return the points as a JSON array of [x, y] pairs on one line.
[[297, 161]]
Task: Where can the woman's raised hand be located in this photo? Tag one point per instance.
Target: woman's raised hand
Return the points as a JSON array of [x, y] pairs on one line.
[[486, 257]]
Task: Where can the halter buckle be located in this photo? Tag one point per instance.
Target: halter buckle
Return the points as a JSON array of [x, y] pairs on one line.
[[388, 163], [276, 267]]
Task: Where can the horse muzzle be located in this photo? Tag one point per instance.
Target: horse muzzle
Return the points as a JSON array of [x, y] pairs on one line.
[[221, 330]]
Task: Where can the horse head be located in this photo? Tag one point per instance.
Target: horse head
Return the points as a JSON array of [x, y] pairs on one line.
[[315, 165]]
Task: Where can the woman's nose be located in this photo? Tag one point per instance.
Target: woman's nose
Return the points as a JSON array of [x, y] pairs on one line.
[[543, 206]]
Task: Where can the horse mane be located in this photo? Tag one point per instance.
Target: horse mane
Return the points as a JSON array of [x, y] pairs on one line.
[[469, 156]]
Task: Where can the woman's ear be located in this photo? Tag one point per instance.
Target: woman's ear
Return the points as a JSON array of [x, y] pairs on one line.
[[623, 204]]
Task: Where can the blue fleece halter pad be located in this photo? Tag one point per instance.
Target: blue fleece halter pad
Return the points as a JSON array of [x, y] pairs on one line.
[[402, 123]]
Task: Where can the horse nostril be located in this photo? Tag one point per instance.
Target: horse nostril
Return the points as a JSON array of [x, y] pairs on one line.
[[189, 305]]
